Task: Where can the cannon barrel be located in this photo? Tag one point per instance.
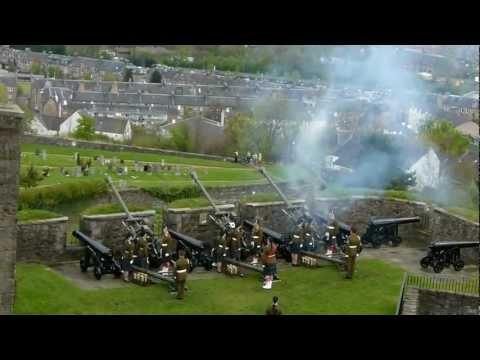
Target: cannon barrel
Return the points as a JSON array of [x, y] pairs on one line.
[[119, 198], [269, 232], [394, 221], [194, 176], [154, 274], [454, 244], [97, 246], [277, 189], [341, 225], [242, 264], [190, 241]]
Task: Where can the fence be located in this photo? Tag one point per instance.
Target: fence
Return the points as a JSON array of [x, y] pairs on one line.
[[464, 286]]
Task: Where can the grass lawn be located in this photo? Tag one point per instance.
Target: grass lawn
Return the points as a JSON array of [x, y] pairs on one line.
[[34, 214], [102, 209], [374, 290]]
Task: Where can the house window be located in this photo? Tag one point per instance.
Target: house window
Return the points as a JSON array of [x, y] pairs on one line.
[[203, 219]]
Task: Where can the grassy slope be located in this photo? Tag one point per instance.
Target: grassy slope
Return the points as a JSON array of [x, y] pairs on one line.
[[374, 290], [32, 214], [112, 208]]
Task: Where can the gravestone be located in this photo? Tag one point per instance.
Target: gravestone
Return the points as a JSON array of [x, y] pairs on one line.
[[44, 155], [75, 157], [177, 170], [10, 131], [78, 171], [136, 166], [92, 171], [163, 164], [102, 160]]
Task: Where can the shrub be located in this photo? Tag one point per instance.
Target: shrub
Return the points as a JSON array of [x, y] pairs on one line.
[[31, 178], [49, 197], [172, 193]]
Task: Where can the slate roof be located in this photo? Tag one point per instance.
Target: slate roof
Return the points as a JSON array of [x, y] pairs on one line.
[[469, 128], [110, 125], [51, 123]]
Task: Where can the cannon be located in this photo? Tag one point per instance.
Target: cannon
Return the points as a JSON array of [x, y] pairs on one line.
[[442, 254], [197, 251], [297, 215], [97, 255], [137, 228], [385, 230]]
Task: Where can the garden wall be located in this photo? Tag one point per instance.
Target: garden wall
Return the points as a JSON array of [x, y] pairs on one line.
[[431, 302], [108, 229], [195, 222], [42, 240]]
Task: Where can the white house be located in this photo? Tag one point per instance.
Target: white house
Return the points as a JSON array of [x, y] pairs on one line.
[[427, 170]]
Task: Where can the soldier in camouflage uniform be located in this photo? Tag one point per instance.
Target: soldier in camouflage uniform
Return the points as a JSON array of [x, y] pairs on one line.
[[181, 266]]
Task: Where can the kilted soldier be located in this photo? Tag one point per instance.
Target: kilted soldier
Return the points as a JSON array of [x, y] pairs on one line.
[[181, 266], [269, 260], [168, 248], [256, 242], [127, 259], [296, 244]]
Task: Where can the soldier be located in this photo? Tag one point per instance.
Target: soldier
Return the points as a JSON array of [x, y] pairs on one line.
[[307, 234], [235, 244], [168, 247], [269, 260], [354, 238], [275, 308], [296, 244], [257, 241], [127, 259], [220, 251], [181, 266], [142, 252], [332, 232]]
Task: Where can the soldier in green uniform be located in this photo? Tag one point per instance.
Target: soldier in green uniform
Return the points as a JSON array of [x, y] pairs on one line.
[[274, 309], [142, 252], [127, 259], [181, 266], [220, 251], [257, 241], [352, 249], [168, 247], [296, 244]]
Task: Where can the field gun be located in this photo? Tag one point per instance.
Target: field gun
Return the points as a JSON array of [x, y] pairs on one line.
[[137, 228], [442, 254], [383, 230], [97, 255]]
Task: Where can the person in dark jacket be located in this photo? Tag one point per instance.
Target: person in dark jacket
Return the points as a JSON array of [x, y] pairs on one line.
[[274, 309]]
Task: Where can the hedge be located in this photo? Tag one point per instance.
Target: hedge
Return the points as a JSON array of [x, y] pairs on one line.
[[172, 193], [49, 197], [35, 214]]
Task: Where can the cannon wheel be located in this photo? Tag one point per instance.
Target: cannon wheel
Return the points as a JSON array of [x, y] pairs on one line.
[[376, 244], [83, 265], [458, 265], [98, 271], [438, 267], [396, 241], [192, 264], [425, 262]]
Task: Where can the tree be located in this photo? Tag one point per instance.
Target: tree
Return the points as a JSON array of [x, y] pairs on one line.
[[239, 133], [448, 142], [128, 75], [31, 178], [87, 76], [36, 68], [85, 129], [156, 77], [181, 138], [3, 94]]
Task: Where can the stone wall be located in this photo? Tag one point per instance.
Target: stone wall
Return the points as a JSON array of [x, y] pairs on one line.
[[432, 302], [108, 229], [10, 120], [42, 240], [270, 214], [81, 144], [195, 222]]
